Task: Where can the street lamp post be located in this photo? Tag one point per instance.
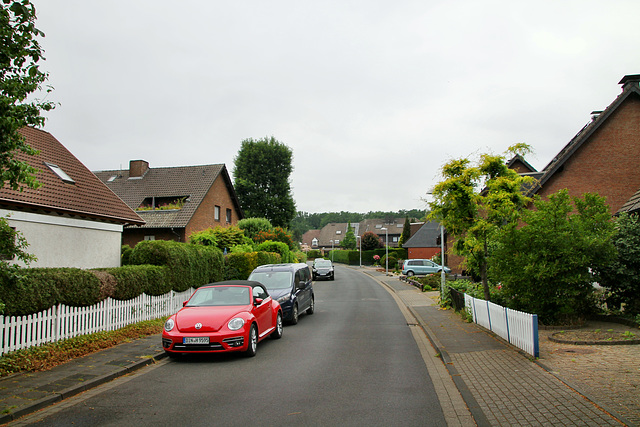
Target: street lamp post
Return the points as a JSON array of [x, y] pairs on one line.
[[359, 239], [442, 277], [386, 247], [332, 251]]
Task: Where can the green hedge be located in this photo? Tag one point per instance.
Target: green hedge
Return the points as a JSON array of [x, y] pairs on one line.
[[133, 280], [240, 265], [41, 288], [353, 257], [156, 268], [189, 265]]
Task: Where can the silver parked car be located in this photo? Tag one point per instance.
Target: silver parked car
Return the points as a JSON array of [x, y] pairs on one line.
[[411, 267]]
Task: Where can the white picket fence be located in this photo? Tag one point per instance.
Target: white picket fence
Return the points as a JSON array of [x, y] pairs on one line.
[[61, 322], [516, 327]]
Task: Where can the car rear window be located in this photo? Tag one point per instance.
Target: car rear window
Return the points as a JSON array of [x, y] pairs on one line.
[[273, 280]]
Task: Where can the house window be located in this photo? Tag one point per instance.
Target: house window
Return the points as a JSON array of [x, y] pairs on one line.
[[394, 239], [229, 216], [149, 237], [163, 203], [216, 213], [338, 232], [61, 174], [314, 242]]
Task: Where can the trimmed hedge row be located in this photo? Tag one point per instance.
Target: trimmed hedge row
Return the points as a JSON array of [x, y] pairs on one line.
[[189, 265], [41, 288], [240, 265], [353, 257]]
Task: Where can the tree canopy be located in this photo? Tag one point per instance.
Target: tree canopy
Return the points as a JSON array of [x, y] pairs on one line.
[[474, 201], [546, 265], [261, 174], [20, 78]]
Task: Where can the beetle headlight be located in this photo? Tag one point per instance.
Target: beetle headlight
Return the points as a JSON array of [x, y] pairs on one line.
[[168, 325], [235, 323]]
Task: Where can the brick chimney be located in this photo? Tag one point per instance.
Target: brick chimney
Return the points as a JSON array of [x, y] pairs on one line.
[[631, 80], [137, 168]]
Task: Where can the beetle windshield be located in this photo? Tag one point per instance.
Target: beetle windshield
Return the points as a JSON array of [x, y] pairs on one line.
[[273, 279], [220, 296]]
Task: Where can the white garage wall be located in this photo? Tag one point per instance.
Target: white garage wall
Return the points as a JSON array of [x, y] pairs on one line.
[[67, 242]]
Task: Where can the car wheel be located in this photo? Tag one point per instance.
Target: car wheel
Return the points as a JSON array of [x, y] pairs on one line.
[[333, 277], [439, 271], [277, 334], [294, 315], [312, 307], [409, 273], [252, 347]]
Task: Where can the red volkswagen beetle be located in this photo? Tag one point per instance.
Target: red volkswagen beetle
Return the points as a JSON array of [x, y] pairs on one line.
[[224, 316]]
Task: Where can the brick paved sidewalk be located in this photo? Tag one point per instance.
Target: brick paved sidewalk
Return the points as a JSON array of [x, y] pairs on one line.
[[502, 386]]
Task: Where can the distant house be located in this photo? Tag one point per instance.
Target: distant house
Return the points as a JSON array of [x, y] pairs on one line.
[[332, 234], [174, 202], [393, 226], [73, 219], [424, 243], [603, 157]]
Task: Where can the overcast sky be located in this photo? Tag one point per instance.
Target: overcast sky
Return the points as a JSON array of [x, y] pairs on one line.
[[373, 97]]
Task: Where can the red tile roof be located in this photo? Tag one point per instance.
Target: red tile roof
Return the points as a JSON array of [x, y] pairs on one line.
[[87, 197]]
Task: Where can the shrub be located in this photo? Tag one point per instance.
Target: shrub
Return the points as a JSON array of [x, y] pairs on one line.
[[125, 254], [314, 253], [224, 238], [38, 289], [189, 265], [278, 247], [133, 280], [252, 226], [278, 234]]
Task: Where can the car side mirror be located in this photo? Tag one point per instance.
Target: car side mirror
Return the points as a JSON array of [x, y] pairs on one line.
[[257, 301], [184, 303]]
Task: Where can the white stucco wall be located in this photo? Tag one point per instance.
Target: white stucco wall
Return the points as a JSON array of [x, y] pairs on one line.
[[67, 242]]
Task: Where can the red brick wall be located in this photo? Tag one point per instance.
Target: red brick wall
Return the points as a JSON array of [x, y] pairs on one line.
[[203, 218], [607, 163], [422, 253]]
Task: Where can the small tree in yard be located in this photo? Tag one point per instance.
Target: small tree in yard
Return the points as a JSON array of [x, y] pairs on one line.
[[622, 275], [370, 241], [474, 202], [406, 232], [349, 241], [546, 266]]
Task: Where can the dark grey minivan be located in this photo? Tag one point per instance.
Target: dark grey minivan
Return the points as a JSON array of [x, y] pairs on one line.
[[290, 285]]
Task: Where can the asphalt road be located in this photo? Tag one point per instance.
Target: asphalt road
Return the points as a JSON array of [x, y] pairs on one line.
[[353, 362]]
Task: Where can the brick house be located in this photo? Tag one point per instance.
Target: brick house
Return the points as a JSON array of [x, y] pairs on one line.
[[73, 219], [424, 243], [603, 157], [175, 202]]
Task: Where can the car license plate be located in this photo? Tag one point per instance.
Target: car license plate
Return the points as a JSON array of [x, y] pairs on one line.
[[195, 340]]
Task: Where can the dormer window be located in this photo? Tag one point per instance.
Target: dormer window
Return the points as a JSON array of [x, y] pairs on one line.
[[163, 203], [60, 173]]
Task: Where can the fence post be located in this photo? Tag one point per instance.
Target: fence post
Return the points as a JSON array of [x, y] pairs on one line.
[[489, 315], [506, 321], [536, 340]]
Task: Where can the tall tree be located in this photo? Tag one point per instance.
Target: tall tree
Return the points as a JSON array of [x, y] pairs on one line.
[[20, 77], [406, 232], [349, 241], [473, 202], [261, 175]]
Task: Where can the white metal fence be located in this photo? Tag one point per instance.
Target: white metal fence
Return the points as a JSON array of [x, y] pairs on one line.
[[62, 322], [517, 327]]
